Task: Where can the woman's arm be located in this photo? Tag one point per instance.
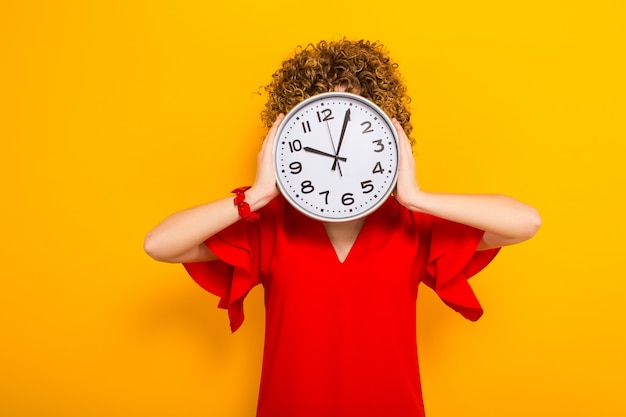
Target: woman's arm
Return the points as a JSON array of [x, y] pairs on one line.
[[180, 237], [506, 221]]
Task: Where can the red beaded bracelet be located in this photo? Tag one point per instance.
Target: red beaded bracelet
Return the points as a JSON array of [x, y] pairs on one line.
[[242, 206]]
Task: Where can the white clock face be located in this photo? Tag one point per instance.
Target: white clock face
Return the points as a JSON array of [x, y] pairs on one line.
[[336, 157]]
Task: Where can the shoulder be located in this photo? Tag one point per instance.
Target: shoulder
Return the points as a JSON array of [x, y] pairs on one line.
[[269, 213], [394, 214]]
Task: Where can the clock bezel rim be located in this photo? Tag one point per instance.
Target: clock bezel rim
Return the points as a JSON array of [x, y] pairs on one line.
[[363, 101]]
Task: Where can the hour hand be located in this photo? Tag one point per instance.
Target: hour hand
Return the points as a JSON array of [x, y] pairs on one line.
[[313, 150]]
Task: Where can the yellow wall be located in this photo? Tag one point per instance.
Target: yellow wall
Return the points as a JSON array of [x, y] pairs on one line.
[[114, 114]]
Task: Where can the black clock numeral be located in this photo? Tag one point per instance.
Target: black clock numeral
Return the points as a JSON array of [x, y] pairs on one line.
[[325, 115], [367, 186], [325, 194], [378, 169], [296, 167], [307, 187], [379, 142], [368, 127], [306, 126], [347, 199], [295, 146]]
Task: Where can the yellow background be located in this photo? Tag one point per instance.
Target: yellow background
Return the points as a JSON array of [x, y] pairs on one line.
[[114, 114]]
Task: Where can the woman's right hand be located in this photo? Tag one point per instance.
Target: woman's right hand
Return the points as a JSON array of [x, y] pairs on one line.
[[264, 188]]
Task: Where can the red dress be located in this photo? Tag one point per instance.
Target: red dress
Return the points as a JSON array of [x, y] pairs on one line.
[[340, 338]]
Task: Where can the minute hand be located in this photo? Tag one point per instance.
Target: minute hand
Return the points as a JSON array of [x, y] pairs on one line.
[[346, 119]]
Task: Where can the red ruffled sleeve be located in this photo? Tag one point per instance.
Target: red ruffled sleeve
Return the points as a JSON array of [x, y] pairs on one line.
[[451, 260], [238, 270]]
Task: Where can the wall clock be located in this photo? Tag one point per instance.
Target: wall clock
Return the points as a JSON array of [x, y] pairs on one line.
[[336, 157]]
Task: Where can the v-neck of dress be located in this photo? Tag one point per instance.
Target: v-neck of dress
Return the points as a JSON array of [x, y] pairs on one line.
[[353, 245]]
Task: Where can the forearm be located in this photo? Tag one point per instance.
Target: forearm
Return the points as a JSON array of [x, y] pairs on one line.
[[182, 232], [180, 237], [496, 214]]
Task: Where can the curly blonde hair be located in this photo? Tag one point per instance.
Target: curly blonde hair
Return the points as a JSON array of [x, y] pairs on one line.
[[361, 67]]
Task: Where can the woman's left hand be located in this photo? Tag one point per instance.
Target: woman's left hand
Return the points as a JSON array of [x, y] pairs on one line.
[[407, 188]]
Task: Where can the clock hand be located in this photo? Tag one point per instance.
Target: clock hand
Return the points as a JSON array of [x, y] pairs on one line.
[[346, 119], [312, 150], [332, 142]]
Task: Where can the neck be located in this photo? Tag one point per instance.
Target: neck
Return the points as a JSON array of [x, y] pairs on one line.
[[343, 235]]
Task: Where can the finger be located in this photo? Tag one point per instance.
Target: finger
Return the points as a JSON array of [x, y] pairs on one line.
[[404, 145], [265, 165], [271, 134], [401, 133]]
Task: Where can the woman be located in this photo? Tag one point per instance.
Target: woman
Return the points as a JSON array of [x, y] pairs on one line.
[[341, 297]]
